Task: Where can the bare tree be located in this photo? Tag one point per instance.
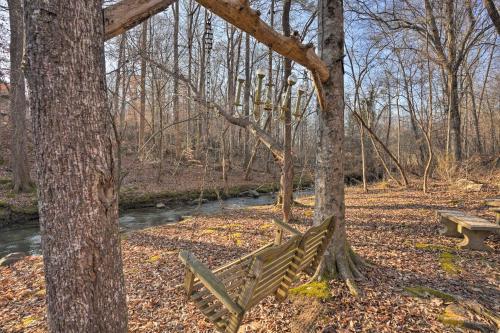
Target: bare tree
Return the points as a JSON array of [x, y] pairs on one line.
[[20, 165]]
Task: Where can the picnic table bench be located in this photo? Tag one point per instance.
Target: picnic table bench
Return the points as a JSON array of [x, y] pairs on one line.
[[225, 294], [474, 229], [494, 205]]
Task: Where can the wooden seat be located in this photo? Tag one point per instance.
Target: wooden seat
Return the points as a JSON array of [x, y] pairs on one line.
[[474, 229], [225, 294], [313, 243]]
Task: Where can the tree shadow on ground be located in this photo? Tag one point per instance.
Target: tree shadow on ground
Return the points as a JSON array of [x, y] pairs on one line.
[[401, 206]]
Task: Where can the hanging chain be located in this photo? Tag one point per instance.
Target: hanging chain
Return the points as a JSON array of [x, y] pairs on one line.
[[208, 43]]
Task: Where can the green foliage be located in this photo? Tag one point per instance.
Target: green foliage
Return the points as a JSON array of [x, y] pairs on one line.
[[319, 290]]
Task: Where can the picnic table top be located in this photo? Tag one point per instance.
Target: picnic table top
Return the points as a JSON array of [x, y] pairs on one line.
[[468, 221]]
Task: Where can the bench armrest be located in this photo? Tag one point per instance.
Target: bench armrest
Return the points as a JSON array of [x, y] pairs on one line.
[[287, 227], [209, 280]]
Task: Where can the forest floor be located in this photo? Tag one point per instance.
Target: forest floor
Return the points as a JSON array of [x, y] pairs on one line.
[[395, 229]]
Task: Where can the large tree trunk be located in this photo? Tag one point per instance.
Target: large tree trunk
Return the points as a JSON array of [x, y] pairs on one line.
[[454, 114], [287, 167], [329, 181], [20, 166], [246, 99], [75, 164], [178, 135], [142, 107]]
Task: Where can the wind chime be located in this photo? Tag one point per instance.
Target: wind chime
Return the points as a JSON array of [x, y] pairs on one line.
[[292, 80], [298, 105], [208, 38], [237, 101], [258, 92]]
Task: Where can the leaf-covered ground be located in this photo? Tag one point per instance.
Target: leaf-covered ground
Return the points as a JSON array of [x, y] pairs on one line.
[[395, 229]]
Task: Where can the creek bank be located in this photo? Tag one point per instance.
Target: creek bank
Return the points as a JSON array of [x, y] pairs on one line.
[[23, 214]]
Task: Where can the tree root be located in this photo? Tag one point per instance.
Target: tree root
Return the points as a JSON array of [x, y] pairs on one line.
[[347, 266], [472, 306]]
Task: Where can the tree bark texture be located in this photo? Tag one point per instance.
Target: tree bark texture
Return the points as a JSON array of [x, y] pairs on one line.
[[142, 107], [329, 181], [20, 166], [178, 135], [75, 167], [287, 167]]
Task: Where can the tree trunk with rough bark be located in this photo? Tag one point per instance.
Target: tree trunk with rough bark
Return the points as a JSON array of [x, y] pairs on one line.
[[246, 99], [178, 135], [20, 166], [454, 114], [339, 260], [75, 166], [287, 166], [142, 107]]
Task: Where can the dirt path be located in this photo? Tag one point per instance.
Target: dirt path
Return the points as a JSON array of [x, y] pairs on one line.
[[392, 228]]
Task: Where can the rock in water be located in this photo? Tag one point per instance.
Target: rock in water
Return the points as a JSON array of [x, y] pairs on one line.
[[250, 194], [160, 205], [12, 258], [254, 193], [175, 218], [198, 201]]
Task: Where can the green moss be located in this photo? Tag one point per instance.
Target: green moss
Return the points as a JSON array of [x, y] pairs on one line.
[[5, 181], [27, 210], [447, 261], [433, 247], [452, 316], [154, 259], [3, 204], [424, 292], [317, 290], [208, 231]]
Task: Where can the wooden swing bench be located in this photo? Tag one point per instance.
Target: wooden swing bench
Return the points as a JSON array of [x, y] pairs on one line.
[[225, 294]]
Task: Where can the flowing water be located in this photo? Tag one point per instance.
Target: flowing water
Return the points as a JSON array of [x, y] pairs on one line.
[[26, 238]]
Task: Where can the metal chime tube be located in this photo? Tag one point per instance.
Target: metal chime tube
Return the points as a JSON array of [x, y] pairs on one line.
[[238, 93], [284, 105], [269, 100], [257, 102], [300, 93]]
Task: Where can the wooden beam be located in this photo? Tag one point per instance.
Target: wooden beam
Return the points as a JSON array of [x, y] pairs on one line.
[[126, 14], [239, 14]]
